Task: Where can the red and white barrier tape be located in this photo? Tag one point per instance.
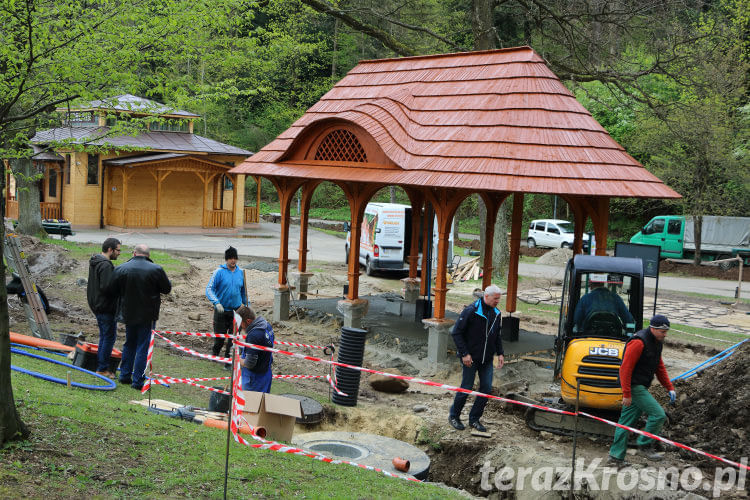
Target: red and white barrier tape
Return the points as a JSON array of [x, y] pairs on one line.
[[227, 336], [490, 396], [238, 403], [166, 380]]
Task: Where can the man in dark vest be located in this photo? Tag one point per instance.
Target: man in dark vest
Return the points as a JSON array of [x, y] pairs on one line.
[[640, 362]]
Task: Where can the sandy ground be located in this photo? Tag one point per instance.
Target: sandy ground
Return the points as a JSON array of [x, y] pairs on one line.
[[417, 416]]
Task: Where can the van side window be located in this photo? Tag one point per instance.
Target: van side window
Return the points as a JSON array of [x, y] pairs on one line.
[[655, 226], [674, 226], [552, 229]]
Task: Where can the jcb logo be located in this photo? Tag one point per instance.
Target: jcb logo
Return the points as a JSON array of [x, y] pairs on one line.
[[604, 351]]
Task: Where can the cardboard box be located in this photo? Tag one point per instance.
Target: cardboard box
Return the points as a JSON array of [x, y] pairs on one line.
[[276, 414]]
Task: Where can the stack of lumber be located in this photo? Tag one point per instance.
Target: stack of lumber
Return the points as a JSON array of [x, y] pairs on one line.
[[468, 270]]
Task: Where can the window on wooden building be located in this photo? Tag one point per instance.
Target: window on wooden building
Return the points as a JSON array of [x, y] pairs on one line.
[[92, 176], [52, 188], [67, 169]]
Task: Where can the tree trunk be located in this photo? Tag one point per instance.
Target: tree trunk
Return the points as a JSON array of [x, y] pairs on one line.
[[500, 246], [11, 426], [698, 233], [29, 214], [482, 25], [393, 194]]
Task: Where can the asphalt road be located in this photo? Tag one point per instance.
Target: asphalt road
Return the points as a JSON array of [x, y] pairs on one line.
[[263, 241]]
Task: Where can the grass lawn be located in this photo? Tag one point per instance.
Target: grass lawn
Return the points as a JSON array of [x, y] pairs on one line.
[[95, 444]]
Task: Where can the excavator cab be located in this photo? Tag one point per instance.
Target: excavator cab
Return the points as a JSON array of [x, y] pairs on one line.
[[601, 308]]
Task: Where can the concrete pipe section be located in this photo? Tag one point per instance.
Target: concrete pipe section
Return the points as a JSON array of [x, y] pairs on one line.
[[366, 449]]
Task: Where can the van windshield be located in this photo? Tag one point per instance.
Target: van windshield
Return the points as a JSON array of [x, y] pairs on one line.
[[565, 227]]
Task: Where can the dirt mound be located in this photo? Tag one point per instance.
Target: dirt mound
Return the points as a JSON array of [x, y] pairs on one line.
[[44, 259], [715, 416], [556, 257]]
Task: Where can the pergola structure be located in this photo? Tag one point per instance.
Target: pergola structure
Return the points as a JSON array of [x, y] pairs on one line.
[[444, 127]]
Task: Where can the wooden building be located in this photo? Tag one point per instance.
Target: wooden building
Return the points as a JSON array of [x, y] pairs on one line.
[[164, 177]]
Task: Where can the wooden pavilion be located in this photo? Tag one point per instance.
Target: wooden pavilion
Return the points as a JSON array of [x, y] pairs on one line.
[[443, 127], [164, 177]]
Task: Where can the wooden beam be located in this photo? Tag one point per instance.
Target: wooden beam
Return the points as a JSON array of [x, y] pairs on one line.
[[285, 187], [307, 191], [446, 202], [416, 198], [515, 243], [358, 195], [257, 198]]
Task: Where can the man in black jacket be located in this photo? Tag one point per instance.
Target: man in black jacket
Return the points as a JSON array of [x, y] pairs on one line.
[[103, 306], [138, 283], [477, 338]]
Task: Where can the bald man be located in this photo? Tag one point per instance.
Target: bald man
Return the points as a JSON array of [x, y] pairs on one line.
[[138, 284]]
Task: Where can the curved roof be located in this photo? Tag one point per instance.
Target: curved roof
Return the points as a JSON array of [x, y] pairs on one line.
[[496, 120]]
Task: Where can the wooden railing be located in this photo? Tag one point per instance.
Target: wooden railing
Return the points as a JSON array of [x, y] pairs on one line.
[[219, 218], [11, 209], [251, 214], [140, 218], [49, 210]]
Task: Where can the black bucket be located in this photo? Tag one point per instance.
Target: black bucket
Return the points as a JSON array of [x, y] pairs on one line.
[[219, 402], [351, 351]]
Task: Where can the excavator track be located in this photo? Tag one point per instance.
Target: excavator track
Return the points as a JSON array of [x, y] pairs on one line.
[[564, 425]]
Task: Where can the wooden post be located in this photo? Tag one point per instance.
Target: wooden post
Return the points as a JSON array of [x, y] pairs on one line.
[[579, 219], [358, 195], [307, 191], [125, 178], [515, 244], [601, 224], [285, 187], [235, 194], [257, 199], [446, 202], [417, 203]]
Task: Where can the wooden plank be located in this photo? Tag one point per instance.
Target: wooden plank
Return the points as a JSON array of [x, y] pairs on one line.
[[477, 433], [536, 358]]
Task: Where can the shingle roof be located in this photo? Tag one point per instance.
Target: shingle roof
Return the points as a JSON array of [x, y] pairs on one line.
[[153, 141], [129, 102], [496, 120]]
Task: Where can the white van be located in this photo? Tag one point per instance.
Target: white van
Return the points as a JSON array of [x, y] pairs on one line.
[[386, 238], [553, 233]]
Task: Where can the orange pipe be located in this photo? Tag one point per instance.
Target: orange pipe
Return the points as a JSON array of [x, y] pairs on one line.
[[18, 338], [244, 428], [401, 464]]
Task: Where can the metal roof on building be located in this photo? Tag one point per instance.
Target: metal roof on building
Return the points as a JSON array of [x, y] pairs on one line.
[[42, 154], [497, 120], [147, 158], [131, 103], [181, 142]]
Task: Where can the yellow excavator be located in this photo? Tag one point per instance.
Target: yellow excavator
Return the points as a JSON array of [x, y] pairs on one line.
[[591, 340]]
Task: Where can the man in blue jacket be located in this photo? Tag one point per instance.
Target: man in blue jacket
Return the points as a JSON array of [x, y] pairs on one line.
[[477, 338], [256, 364], [226, 291]]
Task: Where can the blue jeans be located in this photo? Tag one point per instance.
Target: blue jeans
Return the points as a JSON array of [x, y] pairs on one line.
[[258, 382], [485, 371], [107, 335], [134, 353]]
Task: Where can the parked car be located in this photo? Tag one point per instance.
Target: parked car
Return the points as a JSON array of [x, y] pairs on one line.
[[553, 233]]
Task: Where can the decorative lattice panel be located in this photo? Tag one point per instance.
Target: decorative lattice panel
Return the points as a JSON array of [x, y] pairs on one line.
[[341, 145]]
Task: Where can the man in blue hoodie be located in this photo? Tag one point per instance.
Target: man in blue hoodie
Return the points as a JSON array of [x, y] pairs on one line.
[[226, 291], [477, 338], [256, 364]]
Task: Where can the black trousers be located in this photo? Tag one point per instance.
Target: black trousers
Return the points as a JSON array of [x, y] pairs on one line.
[[223, 324]]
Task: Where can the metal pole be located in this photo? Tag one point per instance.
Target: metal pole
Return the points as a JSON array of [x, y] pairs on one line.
[[575, 440], [229, 416], [656, 291], [739, 281]]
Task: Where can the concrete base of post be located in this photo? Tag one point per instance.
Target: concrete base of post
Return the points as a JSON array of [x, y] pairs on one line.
[[353, 311], [438, 338], [281, 303], [411, 290], [300, 281]]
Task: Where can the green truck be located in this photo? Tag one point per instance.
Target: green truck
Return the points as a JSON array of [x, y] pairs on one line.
[[721, 237]]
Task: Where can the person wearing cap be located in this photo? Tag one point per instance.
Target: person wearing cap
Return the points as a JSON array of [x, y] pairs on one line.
[[226, 291], [600, 299], [256, 363], [640, 362]]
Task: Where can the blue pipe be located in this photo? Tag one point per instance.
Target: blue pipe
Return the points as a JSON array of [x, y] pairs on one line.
[[111, 384], [716, 359]]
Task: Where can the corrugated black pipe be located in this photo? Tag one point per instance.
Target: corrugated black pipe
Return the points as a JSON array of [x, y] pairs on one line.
[[351, 351]]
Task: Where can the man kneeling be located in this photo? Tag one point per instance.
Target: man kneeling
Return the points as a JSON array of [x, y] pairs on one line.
[[256, 364]]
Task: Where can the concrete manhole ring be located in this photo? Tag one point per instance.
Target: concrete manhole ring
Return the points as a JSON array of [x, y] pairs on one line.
[[366, 449]]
